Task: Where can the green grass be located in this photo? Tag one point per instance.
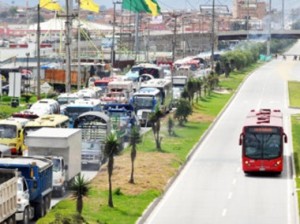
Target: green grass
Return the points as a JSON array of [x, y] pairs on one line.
[[128, 208], [294, 90]]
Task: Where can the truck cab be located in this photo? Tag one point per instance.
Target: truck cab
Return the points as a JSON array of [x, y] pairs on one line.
[[59, 175], [25, 211], [11, 134]]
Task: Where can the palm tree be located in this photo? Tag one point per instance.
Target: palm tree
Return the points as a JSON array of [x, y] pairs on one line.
[[80, 188], [135, 138], [154, 119], [111, 149]]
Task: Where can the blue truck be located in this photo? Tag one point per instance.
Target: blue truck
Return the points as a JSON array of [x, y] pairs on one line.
[[122, 117], [34, 185]]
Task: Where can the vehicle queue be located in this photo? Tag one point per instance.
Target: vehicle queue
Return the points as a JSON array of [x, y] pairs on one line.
[[81, 121]]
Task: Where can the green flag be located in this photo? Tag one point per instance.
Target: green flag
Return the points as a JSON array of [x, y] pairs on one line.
[[149, 6]]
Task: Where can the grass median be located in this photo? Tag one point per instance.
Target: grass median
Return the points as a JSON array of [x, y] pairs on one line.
[[153, 169], [294, 91]]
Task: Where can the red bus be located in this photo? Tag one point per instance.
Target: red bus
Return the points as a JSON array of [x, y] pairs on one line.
[[262, 141]]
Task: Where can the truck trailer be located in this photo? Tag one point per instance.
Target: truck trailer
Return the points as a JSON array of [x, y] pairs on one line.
[[8, 195], [63, 147], [34, 185]]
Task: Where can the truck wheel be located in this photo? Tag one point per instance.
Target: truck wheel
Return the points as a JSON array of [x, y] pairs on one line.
[[40, 209], [46, 204], [62, 191], [25, 216], [12, 220]]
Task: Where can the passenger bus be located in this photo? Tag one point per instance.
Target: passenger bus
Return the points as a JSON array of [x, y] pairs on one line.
[[262, 141], [80, 106], [49, 121], [166, 92], [155, 92]]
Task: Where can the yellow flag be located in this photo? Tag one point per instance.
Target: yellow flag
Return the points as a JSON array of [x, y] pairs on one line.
[[89, 5], [50, 5]]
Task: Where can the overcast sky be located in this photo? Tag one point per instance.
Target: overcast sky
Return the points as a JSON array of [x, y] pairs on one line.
[[172, 4]]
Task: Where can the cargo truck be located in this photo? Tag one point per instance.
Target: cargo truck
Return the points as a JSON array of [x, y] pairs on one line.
[[95, 127], [8, 195], [34, 186], [63, 147]]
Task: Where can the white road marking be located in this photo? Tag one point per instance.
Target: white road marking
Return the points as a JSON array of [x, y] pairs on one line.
[[229, 195], [224, 212]]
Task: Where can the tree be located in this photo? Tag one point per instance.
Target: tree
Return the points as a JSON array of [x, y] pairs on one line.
[[170, 126], [218, 68], [80, 188], [111, 149], [134, 139], [154, 119], [184, 109], [13, 11]]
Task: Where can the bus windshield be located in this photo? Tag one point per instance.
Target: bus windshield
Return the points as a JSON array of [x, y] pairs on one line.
[[144, 102], [263, 145], [8, 131], [66, 100]]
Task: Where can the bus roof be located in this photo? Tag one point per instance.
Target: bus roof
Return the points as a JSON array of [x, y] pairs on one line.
[[147, 65], [156, 83], [264, 117], [147, 91], [98, 114], [48, 120]]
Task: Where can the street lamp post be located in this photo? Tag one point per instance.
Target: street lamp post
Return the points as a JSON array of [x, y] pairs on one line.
[[27, 72]]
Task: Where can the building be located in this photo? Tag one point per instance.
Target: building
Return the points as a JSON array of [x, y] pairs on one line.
[[254, 9]]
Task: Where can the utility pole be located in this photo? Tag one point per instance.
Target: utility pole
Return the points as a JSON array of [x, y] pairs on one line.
[[136, 39], [175, 16], [212, 35], [68, 27], [112, 53], [247, 20], [282, 19], [269, 28], [38, 84], [78, 49]]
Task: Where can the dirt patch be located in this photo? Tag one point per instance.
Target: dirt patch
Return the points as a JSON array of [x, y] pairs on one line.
[[222, 91], [196, 117], [148, 175]]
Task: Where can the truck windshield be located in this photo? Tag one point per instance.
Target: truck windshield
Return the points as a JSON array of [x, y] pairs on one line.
[[93, 146], [262, 145], [56, 165], [8, 131], [144, 102]]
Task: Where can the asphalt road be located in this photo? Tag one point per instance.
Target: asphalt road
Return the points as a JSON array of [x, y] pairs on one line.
[[212, 188]]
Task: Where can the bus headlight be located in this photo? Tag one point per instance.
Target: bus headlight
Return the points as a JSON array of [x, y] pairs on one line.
[[277, 163]]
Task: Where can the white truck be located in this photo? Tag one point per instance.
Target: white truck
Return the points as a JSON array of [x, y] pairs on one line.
[[63, 146], [8, 195]]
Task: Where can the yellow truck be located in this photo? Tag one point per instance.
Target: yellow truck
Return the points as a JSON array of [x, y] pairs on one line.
[[12, 134]]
